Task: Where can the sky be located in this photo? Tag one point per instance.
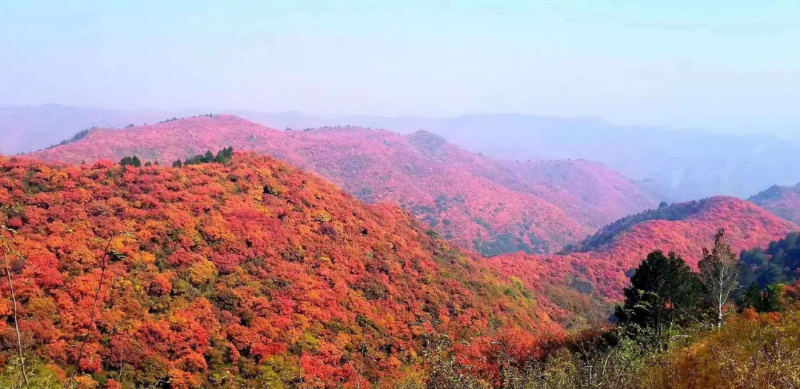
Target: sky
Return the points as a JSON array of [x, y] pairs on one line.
[[710, 64]]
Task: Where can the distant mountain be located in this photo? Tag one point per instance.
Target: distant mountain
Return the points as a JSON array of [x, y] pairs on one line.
[[492, 206], [675, 165], [25, 129], [680, 164], [602, 261], [783, 201]]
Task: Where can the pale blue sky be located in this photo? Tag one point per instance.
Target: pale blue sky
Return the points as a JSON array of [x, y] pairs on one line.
[[717, 64]]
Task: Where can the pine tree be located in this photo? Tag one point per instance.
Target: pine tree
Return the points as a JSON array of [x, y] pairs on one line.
[[663, 291]]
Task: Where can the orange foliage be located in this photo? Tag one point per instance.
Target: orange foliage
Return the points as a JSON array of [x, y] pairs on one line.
[[487, 205], [215, 271], [746, 226]]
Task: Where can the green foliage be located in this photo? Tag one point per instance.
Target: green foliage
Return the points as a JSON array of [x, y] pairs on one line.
[[80, 135], [223, 157], [131, 161], [766, 300], [39, 375], [663, 292], [503, 243], [779, 263]]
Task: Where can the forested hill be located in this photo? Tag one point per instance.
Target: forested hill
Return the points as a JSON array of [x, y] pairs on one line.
[[783, 201], [482, 204], [245, 273], [751, 219], [604, 264]]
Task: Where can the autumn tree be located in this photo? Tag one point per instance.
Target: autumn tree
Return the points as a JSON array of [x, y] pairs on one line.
[[719, 274], [663, 292]]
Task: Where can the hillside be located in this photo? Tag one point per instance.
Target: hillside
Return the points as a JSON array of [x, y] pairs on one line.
[[486, 205], [248, 273], [783, 201], [682, 164], [602, 263], [734, 165]]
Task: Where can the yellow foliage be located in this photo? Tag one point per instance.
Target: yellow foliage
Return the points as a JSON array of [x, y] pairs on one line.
[[202, 272], [144, 257], [747, 352], [321, 216]]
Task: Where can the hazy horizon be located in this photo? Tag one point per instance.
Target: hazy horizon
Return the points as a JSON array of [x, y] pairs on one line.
[[716, 66]]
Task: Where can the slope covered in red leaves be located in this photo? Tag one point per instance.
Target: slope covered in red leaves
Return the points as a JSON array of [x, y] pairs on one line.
[[236, 275], [783, 201], [482, 204], [603, 261]]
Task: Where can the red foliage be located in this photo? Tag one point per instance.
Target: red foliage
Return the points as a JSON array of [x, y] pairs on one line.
[[783, 201], [482, 204], [746, 226], [216, 272]]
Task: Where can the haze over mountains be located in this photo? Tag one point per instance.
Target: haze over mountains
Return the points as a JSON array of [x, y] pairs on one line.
[[247, 264], [680, 164], [492, 206], [31, 128], [520, 212], [783, 201], [675, 165]]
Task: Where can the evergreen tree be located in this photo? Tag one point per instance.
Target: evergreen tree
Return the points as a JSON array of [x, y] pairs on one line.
[[771, 299], [750, 298], [177, 163], [663, 292], [224, 155], [131, 161]]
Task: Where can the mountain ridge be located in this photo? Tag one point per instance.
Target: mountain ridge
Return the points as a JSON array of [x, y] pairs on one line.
[[783, 201], [611, 255], [251, 267], [489, 205]]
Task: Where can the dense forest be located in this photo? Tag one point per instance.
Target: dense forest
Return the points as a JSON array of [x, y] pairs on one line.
[[783, 201], [675, 329], [235, 270], [248, 273], [241, 274], [490, 206], [665, 211]]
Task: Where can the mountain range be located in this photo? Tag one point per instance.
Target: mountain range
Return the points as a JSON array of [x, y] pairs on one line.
[[572, 222], [676, 165], [253, 270], [491, 206]]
